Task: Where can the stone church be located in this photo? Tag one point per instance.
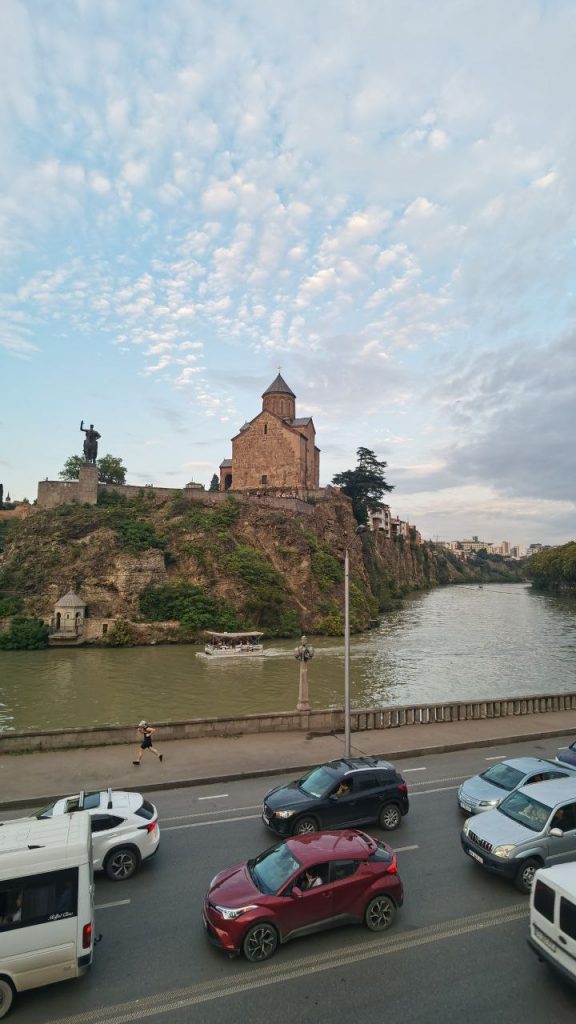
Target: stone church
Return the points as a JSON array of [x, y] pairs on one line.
[[276, 450]]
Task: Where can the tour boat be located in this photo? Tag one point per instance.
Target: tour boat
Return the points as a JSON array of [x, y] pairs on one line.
[[233, 645]]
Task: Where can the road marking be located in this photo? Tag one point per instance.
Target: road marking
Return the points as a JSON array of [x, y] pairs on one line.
[[414, 770], [562, 748], [433, 782], [247, 981], [202, 814], [441, 789], [117, 903], [405, 849], [497, 757], [202, 824], [217, 796]]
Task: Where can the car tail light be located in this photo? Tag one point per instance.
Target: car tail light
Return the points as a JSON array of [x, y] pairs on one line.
[[392, 868], [403, 787], [87, 936], [149, 826]]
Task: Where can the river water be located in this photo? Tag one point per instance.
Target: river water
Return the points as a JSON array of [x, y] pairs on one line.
[[453, 643]]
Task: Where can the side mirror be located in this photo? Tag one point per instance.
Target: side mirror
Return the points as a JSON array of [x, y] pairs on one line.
[[296, 891], [556, 832], [332, 796]]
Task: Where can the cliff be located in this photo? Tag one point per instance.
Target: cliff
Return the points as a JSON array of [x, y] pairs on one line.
[[236, 564]]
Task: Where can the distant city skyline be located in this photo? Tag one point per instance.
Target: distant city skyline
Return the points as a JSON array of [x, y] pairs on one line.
[[379, 196]]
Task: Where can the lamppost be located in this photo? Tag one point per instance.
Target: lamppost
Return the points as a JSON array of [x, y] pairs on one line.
[[359, 529], [303, 653]]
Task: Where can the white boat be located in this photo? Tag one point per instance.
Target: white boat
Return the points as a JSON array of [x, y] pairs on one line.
[[234, 645]]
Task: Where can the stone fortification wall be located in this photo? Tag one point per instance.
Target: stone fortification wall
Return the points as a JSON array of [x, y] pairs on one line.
[[52, 493], [320, 721]]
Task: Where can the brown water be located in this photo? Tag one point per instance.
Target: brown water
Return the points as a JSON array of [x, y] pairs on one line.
[[452, 643]]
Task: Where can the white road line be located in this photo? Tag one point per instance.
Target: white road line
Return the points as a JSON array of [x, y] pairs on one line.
[[404, 849], [562, 748], [217, 796], [202, 814], [441, 789], [497, 757], [117, 903], [414, 770], [202, 824]]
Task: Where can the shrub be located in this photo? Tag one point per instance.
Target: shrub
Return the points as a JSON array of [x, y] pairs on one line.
[[326, 569], [25, 634], [188, 605], [9, 606], [122, 634]]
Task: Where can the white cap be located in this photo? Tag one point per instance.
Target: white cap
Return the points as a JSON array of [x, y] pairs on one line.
[[142, 723]]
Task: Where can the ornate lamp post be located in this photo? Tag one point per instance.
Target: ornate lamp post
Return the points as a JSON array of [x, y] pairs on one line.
[[303, 653]]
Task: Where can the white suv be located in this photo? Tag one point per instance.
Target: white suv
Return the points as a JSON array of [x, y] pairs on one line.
[[125, 828]]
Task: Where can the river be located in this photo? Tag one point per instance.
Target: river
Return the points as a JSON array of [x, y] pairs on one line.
[[452, 643]]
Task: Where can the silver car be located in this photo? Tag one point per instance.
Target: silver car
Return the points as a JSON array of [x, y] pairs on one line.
[[533, 827], [485, 791]]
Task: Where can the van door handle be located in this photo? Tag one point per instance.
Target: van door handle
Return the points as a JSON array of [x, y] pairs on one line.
[[562, 939]]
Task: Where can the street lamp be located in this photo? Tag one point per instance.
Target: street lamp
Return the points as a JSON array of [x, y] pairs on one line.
[[359, 529], [303, 653]]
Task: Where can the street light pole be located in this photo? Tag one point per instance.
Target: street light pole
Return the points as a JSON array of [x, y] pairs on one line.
[[303, 653], [346, 655], [347, 741]]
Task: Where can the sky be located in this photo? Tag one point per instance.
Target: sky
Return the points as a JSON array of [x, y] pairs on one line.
[[376, 195]]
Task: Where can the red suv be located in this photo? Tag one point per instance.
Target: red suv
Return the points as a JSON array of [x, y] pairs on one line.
[[303, 885]]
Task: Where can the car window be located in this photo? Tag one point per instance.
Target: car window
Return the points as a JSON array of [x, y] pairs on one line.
[[387, 778], [313, 877], [503, 776], [104, 822], [273, 868], [525, 810], [318, 782], [564, 818], [364, 781], [46, 812], [146, 811], [343, 869]]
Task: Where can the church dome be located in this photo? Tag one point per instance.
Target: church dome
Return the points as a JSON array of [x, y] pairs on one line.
[[279, 387]]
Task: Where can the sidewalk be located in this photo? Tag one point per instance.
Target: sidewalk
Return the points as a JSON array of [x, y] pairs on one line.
[[33, 779]]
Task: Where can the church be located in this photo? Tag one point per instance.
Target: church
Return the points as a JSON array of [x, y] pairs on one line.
[[275, 451]]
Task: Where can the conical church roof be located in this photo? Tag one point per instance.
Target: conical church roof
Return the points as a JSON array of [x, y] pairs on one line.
[[71, 600], [279, 387]]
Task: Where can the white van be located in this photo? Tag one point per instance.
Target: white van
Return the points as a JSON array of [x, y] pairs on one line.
[[553, 918], [46, 903]]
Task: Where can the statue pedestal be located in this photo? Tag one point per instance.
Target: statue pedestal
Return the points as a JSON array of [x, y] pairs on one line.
[[88, 484]]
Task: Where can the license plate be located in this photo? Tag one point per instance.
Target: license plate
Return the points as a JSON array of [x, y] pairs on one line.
[[465, 807], [265, 819], [476, 856]]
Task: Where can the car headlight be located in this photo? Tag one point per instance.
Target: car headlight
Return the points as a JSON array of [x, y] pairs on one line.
[[466, 826], [488, 803], [231, 913], [505, 852], [284, 814]]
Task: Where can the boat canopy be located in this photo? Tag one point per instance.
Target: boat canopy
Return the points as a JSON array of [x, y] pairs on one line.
[[232, 636]]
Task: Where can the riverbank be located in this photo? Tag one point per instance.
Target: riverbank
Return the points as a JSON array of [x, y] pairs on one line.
[[34, 779]]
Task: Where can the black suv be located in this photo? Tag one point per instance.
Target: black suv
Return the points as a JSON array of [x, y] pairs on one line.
[[336, 795]]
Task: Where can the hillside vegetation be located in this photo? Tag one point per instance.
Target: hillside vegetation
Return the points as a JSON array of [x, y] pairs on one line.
[[231, 565], [554, 569]]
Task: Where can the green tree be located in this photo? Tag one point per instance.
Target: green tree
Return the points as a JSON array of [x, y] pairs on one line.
[[214, 484], [365, 485], [110, 469], [25, 634]]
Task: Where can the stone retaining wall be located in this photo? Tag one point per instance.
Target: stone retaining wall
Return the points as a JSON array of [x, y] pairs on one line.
[[316, 721]]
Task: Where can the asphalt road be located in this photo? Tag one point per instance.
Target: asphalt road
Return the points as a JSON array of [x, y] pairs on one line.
[[457, 951]]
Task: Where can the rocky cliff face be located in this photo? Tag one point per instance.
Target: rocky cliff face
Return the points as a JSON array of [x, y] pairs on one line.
[[238, 565]]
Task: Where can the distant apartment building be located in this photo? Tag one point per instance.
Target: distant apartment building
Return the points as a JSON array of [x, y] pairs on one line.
[[380, 520]]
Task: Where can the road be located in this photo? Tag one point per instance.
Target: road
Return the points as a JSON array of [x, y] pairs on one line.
[[457, 951]]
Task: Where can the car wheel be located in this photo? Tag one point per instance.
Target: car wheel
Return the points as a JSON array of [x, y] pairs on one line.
[[389, 817], [260, 942], [121, 864], [6, 996], [379, 913], [525, 875], [304, 826]]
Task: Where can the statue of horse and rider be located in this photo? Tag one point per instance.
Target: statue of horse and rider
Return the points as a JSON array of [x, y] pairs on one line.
[[90, 446]]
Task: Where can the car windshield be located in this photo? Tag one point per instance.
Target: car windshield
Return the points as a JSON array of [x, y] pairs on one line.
[[46, 812], [525, 810], [503, 776], [272, 869], [318, 782]]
